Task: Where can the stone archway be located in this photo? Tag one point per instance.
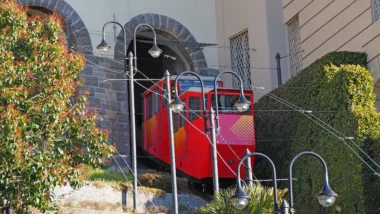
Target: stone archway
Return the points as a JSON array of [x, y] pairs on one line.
[[173, 30], [109, 99], [70, 16]]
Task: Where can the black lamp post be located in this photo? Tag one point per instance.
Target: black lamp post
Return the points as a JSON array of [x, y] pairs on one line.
[[240, 200], [327, 196], [154, 52], [177, 106], [242, 104]]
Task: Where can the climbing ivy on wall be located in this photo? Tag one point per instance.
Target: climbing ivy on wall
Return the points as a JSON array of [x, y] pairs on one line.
[[338, 89]]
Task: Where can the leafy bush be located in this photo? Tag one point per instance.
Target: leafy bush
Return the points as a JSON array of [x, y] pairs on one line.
[[261, 201], [44, 135], [339, 91]]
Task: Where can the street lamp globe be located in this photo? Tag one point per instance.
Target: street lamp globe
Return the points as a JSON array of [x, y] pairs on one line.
[[327, 196], [326, 200], [242, 104], [240, 200], [239, 203], [155, 51], [177, 105], [103, 46]]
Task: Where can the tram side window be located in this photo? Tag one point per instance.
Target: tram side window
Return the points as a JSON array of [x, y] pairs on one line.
[[226, 104], [156, 99], [149, 106], [175, 122], [195, 108], [164, 101], [182, 118]]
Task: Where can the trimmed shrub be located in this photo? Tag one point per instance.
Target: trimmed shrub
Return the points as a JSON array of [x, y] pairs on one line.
[[338, 89]]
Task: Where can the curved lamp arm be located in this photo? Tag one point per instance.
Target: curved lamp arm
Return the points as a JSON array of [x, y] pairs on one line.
[[273, 171], [326, 188], [216, 94], [124, 33], [134, 40], [202, 91]]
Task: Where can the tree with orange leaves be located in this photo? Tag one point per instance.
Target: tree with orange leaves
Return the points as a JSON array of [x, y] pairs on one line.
[[44, 134]]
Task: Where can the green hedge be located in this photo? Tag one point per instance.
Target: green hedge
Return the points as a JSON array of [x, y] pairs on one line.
[[339, 90]]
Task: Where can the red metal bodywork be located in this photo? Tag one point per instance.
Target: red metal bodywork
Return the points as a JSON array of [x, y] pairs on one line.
[[192, 147]]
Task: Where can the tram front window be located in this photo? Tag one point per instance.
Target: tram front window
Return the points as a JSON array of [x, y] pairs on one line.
[[186, 84], [226, 104]]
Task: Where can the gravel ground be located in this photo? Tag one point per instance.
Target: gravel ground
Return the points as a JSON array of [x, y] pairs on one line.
[[110, 200]]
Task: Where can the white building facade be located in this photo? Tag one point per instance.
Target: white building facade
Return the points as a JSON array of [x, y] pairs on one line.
[[250, 34]]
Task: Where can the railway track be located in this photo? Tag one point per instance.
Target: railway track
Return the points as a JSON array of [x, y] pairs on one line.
[[198, 189]]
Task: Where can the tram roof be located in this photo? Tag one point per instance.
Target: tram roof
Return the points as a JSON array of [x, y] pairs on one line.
[[198, 89], [191, 77]]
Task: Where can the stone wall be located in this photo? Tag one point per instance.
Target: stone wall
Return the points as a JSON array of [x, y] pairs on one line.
[[110, 99]]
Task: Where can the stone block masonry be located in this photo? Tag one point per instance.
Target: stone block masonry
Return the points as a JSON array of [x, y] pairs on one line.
[[110, 99]]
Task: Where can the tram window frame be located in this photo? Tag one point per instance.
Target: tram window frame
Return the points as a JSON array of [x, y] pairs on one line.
[[164, 101], [156, 100], [194, 101], [231, 109], [175, 122], [182, 119], [149, 106], [145, 107]]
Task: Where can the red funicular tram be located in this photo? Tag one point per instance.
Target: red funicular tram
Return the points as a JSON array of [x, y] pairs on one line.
[[192, 147]]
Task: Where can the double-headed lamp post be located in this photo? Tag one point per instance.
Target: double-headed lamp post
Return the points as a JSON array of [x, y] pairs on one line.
[[242, 104], [240, 200], [326, 197], [154, 52]]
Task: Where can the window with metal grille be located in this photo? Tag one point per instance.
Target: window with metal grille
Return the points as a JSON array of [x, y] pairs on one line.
[[295, 50], [240, 59], [376, 9]]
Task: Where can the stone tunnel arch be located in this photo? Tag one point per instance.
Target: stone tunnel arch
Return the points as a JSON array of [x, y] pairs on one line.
[[167, 29], [170, 29], [80, 34], [109, 99]]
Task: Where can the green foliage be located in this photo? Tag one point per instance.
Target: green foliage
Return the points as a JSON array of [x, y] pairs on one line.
[[104, 177], [339, 90], [161, 180], [261, 201], [44, 135], [101, 174]]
